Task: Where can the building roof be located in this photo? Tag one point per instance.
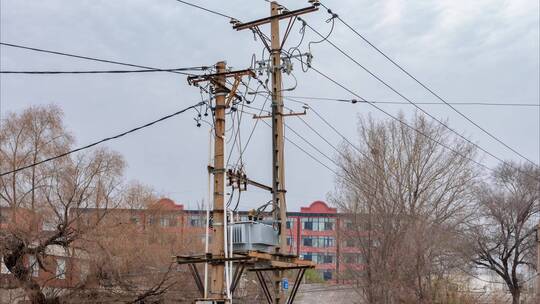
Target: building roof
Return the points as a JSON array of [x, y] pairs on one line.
[[166, 204], [318, 207]]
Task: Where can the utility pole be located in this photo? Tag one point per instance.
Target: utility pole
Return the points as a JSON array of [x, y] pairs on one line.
[[277, 12], [222, 286], [217, 283], [278, 164], [538, 263], [278, 160], [219, 289]]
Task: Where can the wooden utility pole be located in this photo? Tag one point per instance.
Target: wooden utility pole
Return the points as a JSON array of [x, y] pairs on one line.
[[217, 283], [218, 291]]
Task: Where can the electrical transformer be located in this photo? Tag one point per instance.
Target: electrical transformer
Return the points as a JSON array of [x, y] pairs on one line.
[[254, 236]]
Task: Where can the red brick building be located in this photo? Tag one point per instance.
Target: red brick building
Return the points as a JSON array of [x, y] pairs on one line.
[[317, 233]]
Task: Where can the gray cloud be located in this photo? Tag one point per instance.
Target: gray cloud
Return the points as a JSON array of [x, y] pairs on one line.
[[467, 50]]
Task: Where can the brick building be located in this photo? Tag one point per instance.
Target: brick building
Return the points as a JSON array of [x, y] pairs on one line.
[[317, 233]]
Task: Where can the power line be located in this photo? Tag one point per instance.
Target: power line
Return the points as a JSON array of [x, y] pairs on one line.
[[312, 145], [86, 57], [406, 103], [401, 121], [207, 10], [411, 102], [397, 92], [103, 140], [243, 149], [417, 81], [104, 71], [300, 148], [366, 156], [307, 153], [390, 115], [345, 178]]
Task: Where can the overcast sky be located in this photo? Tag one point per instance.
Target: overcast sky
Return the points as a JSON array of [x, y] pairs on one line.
[[467, 51]]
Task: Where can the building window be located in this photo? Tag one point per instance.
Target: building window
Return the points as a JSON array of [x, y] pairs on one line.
[[173, 222], [195, 221], [61, 268], [319, 258], [290, 223], [349, 224], [134, 220], [318, 223], [164, 221], [306, 224], [307, 256], [151, 220], [349, 242], [289, 241], [318, 241], [3, 267], [328, 259], [326, 241], [34, 266]]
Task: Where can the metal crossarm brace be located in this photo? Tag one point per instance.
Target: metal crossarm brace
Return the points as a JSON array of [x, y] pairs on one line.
[[199, 78], [197, 278], [236, 277], [232, 92], [297, 282], [264, 287]]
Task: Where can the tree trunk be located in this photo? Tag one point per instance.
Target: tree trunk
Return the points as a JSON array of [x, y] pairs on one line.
[[516, 295]]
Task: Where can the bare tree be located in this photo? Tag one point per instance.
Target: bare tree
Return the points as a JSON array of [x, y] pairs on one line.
[[406, 197], [45, 194], [138, 196], [503, 240]]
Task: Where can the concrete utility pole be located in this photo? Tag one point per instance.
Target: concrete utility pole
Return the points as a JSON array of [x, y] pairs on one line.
[[217, 283], [277, 13], [278, 160]]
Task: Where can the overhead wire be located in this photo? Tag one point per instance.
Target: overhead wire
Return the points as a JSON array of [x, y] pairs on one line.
[[88, 58], [310, 155], [346, 140], [428, 88], [418, 107], [302, 149], [207, 10], [104, 71], [102, 140], [411, 102], [390, 115], [396, 118], [406, 103], [244, 148], [310, 143], [387, 113]]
